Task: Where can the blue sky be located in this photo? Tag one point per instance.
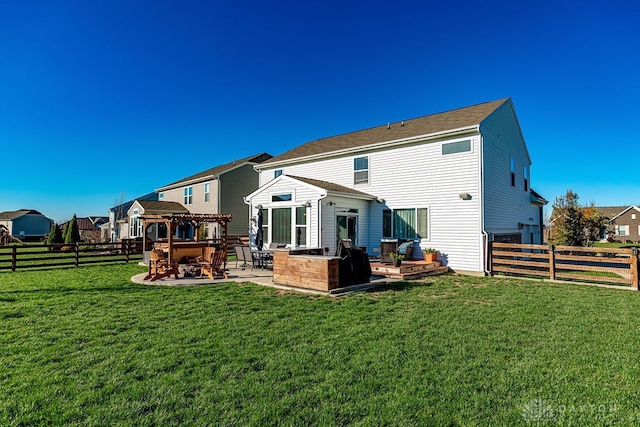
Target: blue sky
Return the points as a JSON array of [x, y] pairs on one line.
[[99, 98]]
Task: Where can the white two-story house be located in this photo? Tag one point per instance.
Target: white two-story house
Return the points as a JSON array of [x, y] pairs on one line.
[[452, 181]]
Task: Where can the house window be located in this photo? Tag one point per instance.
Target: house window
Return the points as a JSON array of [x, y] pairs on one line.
[[361, 170], [281, 197], [526, 178], [513, 171], [281, 225], [301, 226], [207, 192], [135, 225], [411, 223], [633, 216], [422, 223], [386, 223], [265, 225], [456, 147], [160, 196], [622, 230], [188, 195], [277, 173]]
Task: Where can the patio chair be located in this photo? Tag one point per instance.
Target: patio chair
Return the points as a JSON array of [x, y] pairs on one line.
[[213, 263], [240, 255], [250, 255], [160, 267]]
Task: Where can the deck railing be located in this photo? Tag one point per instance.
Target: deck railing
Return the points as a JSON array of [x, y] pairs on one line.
[[616, 266]]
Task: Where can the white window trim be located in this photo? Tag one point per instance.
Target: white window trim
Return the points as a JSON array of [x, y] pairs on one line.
[[188, 195], [207, 192], [368, 170], [281, 204], [415, 208]]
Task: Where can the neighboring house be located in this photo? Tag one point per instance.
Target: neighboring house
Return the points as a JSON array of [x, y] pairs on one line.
[[89, 228], [153, 207], [117, 226], [26, 224], [453, 181], [624, 222], [218, 190]]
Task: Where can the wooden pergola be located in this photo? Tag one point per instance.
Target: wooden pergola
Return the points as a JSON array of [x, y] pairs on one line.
[[172, 220]]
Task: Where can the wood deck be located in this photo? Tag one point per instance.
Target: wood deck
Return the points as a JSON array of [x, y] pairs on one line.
[[408, 270]]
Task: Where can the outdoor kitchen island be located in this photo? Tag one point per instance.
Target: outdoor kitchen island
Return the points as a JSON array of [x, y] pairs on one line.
[[310, 268]]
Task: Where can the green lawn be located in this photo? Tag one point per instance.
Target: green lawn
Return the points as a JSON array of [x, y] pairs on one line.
[[87, 347]]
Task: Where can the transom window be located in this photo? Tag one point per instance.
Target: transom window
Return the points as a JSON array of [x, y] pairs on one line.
[[188, 195], [456, 147], [361, 170], [281, 197]]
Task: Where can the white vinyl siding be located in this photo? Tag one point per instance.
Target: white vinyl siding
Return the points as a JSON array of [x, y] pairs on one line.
[[506, 206], [411, 176]]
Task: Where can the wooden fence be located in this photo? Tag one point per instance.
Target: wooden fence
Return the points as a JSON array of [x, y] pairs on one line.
[[618, 266], [69, 255]]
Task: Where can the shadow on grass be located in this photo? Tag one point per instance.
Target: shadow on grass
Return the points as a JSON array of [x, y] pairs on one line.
[[398, 287]]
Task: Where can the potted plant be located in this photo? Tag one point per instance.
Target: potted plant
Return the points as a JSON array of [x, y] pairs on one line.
[[430, 254], [397, 259]]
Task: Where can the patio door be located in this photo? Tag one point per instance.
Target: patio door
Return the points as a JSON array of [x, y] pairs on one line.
[[347, 227]]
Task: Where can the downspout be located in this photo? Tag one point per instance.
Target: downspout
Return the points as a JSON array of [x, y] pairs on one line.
[[320, 245], [485, 235]]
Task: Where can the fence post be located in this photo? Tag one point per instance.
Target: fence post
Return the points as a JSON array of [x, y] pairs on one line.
[[490, 257], [127, 249], [77, 254], [14, 258], [552, 262], [634, 269]]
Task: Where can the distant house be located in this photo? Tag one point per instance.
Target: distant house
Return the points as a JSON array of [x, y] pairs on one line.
[[26, 224], [89, 228], [154, 207], [624, 222], [218, 190], [117, 226], [453, 181]]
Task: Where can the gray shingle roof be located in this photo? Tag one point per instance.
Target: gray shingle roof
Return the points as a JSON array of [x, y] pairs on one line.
[[426, 125], [11, 215], [217, 170], [154, 207], [330, 186]]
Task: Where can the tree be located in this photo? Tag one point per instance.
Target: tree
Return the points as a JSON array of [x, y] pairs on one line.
[[576, 225], [55, 235], [71, 231], [595, 223]]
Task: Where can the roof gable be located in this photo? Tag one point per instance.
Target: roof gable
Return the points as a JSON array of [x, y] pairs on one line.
[[219, 170], [11, 215], [155, 207], [323, 187], [422, 126]]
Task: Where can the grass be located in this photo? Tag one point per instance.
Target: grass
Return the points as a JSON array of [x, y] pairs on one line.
[[87, 347]]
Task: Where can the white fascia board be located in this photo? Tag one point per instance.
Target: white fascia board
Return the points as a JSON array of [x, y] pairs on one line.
[[380, 145], [186, 183]]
